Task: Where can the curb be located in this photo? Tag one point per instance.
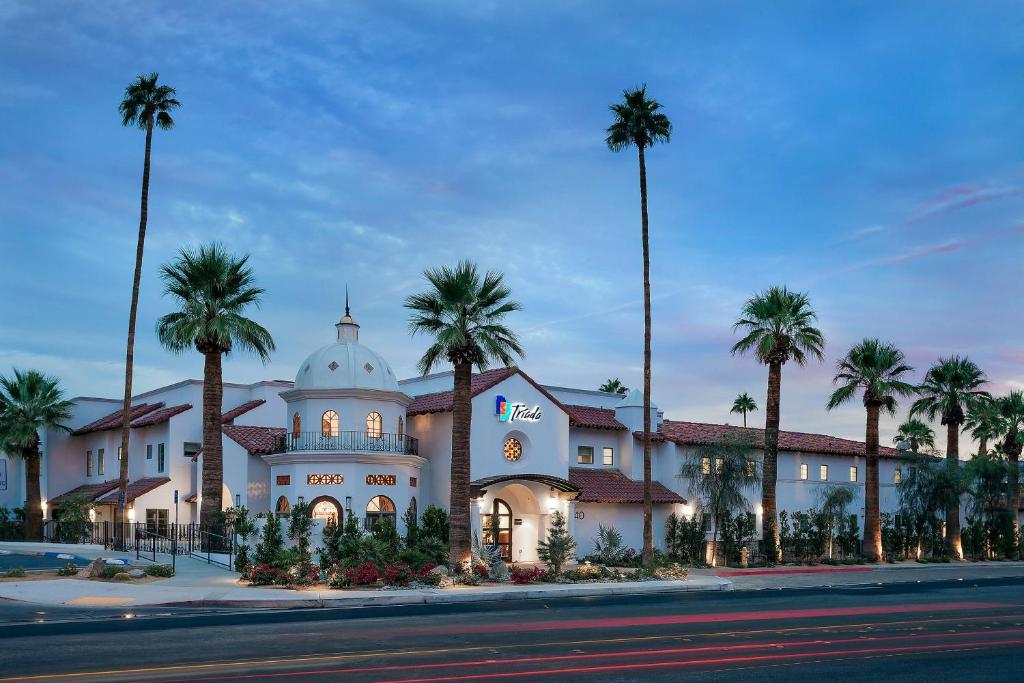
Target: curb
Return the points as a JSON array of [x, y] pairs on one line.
[[451, 597]]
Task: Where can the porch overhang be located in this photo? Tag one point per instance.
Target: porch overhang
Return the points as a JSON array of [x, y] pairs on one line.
[[479, 487]]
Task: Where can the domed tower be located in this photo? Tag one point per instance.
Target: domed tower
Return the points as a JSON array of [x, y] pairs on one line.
[[346, 449]]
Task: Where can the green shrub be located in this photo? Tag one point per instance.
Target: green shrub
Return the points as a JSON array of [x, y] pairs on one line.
[[161, 570], [74, 525], [270, 549], [70, 569], [300, 527], [434, 547], [559, 547], [15, 573], [111, 570], [385, 532], [435, 523]]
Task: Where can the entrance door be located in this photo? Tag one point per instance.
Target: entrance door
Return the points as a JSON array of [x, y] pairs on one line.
[[499, 524]]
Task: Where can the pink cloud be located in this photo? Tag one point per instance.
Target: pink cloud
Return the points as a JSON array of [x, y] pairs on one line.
[[960, 197]]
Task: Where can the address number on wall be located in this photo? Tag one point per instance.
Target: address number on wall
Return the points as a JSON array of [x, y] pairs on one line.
[[580, 515], [381, 480]]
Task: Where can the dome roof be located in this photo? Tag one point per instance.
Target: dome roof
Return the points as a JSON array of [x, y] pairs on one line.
[[346, 364]]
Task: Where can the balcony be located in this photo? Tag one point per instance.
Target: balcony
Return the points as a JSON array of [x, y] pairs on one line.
[[361, 442]]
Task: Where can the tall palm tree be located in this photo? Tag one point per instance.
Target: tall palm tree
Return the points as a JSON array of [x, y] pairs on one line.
[[145, 105], [30, 402], [638, 122], [465, 314], [915, 434], [1011, 410], [212, 289], [744, 403], [876, 370], [984, 423], [778, 326], [950, 388], [613, 386]]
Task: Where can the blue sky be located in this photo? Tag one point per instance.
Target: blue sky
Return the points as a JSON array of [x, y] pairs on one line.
[[868, 153]]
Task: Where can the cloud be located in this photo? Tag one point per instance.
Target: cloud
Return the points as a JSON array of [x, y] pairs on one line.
[[960, 197]]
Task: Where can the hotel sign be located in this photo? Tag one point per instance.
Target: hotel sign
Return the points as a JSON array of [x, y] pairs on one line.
[[508, 411]]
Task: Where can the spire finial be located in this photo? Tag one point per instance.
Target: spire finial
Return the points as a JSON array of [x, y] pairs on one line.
[[346, 299]]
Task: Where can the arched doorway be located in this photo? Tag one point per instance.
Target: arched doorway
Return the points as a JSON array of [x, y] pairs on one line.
[[498, 528], [326, 509]]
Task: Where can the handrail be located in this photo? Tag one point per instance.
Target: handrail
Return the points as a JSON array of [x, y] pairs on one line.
[[373, 442], [204, 542], [173, 540]]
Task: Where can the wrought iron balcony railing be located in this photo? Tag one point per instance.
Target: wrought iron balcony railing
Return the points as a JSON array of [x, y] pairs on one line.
[[382, 442]]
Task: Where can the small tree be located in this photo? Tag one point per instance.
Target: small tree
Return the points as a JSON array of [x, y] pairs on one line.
[[243, 529], [412, 527], [270, 549], [720, 473], [560, 546], [300, 529], [74, 524], [385, 532]]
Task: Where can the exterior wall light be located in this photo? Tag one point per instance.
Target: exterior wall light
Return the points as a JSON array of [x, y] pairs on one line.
[[302, 499], [238, 500], [348, 503]]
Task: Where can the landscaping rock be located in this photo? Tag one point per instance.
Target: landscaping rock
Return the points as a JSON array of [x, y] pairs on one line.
[[94, 568], [439, 570], [499, 572], [136, 573], [122, 577]]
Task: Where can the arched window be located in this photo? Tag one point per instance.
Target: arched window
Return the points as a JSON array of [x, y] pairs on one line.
[[401, 426], [296, 425], [330, 424], [498, 528], [326, 509], [283, 507], [373, 425], [380, 507], [513, 449]]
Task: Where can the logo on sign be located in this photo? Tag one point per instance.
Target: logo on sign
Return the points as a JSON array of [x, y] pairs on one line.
[[515, 412]]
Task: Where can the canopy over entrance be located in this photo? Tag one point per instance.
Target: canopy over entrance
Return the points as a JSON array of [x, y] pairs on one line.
[[479, 487]]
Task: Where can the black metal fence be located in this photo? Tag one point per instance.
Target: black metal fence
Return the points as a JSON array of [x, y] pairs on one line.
[[179, 539]]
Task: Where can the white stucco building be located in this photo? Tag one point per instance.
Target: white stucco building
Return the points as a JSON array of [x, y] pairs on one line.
[[352, 439]]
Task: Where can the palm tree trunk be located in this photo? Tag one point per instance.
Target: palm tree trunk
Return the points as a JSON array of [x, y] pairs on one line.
[[953, 547], [872, 518], [648, 553], [460, 525], [769, 523], [744, 419], [983, 446], [129, 364], [1013, 449], [213, 456], [33, 502]]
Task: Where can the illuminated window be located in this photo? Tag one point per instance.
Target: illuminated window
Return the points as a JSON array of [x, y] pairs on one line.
[[373, 425], [401, 426], [853, 473], [823, 472], [283, 507], [330, 424], [705, 466], [719, 463], [585, 455], [296, 425], [513, 449], [751, 469], [379, 507], [897, 476], [607, 456], [803, 471]]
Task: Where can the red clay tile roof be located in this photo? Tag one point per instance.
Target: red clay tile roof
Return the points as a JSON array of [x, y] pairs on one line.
[[612, 486], [593, 418], [255, 440], [161, 416], [229, 417], [135, 489], [113, 420], [93, 491], [697, 433], [441, 401]]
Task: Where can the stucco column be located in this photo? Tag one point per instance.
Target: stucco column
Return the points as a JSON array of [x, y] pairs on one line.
[[570, 518], [476, 528]]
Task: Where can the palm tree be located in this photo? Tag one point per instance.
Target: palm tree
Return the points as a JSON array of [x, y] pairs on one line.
[[720, 474], [915, 434], [951, 387], [639, 123], [145, 105], [985, 423], [778, 327], [212, 289], [1011, 410], [875, 369], [613, 386], [465, 314], [30, 402], [744, 403]]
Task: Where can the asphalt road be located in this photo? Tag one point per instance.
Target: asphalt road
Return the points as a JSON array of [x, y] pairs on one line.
[[965, 631]]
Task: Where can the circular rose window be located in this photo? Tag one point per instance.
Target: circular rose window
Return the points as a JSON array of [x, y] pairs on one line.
[[513, 449]]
